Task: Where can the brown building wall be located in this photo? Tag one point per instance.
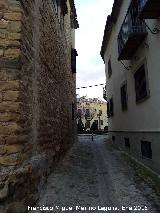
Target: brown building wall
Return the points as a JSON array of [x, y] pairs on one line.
[[37, 89]]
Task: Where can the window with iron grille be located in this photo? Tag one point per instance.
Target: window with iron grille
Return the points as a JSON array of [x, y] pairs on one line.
[[146, 149], [141, 86], [124, 101], [73, 60], [109, 68], [127, 143]]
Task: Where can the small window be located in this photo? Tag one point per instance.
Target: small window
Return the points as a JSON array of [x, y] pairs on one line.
[[113, 138], [127, 143], [146, 149], [124, 101], [141, 87], [100, 112], [101, 122], [109, 68], [73, 60]]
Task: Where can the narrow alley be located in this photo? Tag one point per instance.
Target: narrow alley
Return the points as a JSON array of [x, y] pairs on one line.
[[93, 175]]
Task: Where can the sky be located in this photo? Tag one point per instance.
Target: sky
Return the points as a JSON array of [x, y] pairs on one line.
[[92, 16]]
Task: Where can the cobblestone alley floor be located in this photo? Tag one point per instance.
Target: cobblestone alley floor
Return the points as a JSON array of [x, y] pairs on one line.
[[94, 175]]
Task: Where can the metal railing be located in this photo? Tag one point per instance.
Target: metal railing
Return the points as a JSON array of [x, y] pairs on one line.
[[142, 3], [131, 24]]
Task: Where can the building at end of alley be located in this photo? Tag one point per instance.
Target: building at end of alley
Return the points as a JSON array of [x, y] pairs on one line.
[[37, 94], [91, 114], [131, 53]]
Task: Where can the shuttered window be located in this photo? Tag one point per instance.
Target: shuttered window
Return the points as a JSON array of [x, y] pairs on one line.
[[110, 108], [73, 60], [109, 68], [124, 101], [141, 87]]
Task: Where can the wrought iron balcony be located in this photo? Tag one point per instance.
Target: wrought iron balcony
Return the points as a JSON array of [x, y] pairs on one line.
[[149, 9], [132, 32]]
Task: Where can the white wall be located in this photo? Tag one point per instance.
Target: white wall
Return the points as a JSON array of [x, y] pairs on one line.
[[144, 116]]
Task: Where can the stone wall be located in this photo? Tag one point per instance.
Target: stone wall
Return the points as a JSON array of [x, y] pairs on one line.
[[37, 89]]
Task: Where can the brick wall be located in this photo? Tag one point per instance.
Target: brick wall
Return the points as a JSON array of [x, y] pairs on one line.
[[37, 89]]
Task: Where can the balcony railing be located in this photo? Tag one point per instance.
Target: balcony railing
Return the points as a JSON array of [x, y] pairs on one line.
[[132, 33], [149, 9]]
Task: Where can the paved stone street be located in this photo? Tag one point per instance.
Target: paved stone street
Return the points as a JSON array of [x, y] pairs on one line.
[[94, 174]]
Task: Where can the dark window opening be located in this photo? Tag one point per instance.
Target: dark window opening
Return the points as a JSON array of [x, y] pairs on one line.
[[141, 84], [100, 112], [101, 122], [109, 68], [113, 138], [64, 9], [73, 60], [127, 143], [124, 101], [87, 125], [146, 149], [110, 108]]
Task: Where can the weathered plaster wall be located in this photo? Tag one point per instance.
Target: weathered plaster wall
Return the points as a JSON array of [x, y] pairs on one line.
[[37, 89]]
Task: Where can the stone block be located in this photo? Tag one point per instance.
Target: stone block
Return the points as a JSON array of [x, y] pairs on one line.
[[6, 117], [9, 160], [2, 140], [13, 16], [10, 95], [3, 24], [14, 26], [9, 107], [13, 139], [12, 149], [15, 6], [3, 4], [14, 36], [2, 35], [9, 74], [8, 129], [12, 53], [1, 52], [9, 85], [2, 150]]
